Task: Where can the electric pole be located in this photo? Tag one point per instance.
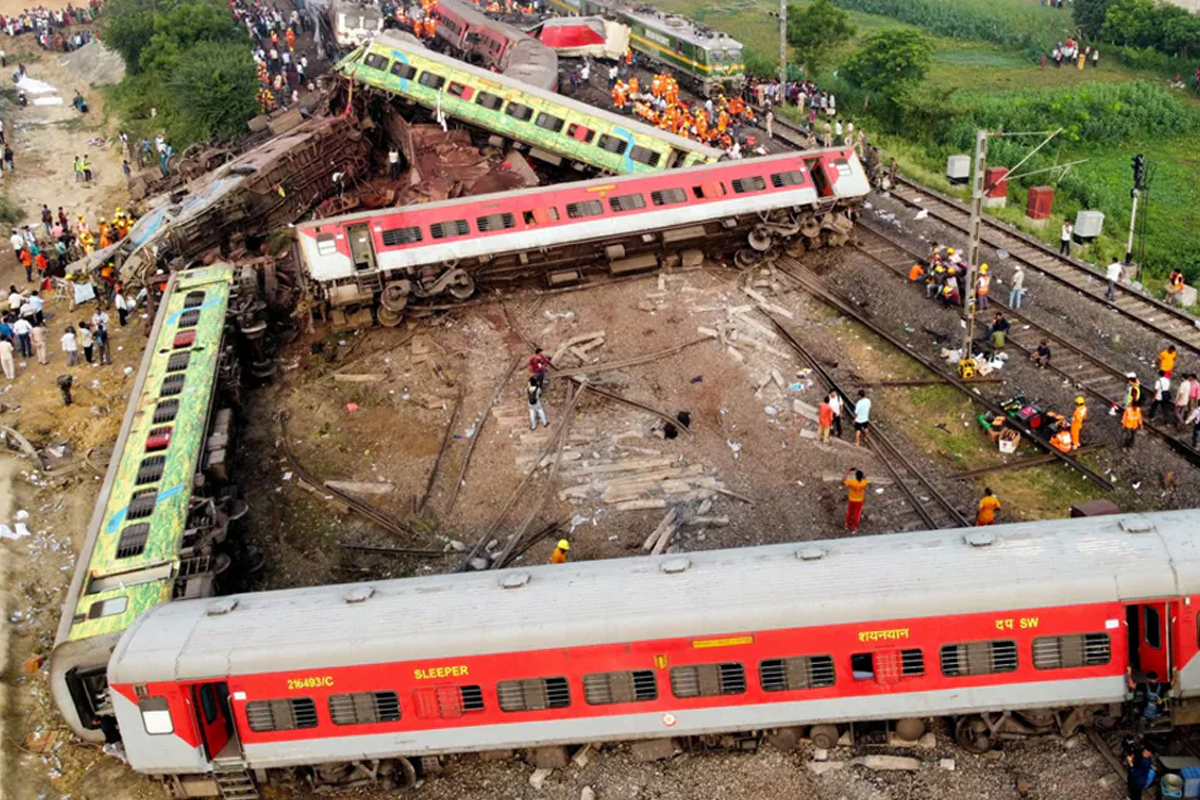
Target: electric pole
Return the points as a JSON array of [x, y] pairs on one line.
[[783, 41], [977, 193], [1139, 178]]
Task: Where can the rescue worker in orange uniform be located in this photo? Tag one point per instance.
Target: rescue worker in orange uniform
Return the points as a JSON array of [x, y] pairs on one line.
[[1131, 420], [559, 556], [988, 507], [291, 40], [634, 87], [619, 95], [982, 285], [916, 273], [1077, 418]]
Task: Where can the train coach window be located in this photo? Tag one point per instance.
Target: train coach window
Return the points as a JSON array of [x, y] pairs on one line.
[[584, 208], [979, 658], [706, 680], [751, 183], [431, 80], [912, 663], [156, 715], [605, 688], [179, 361], [188, 319], [404, 72], [612, 144], [376, 61], [193, 299], [326, 244], [449, 229], [447, 702], [793, 177], [364, 708], [645, 155], [540, 216], [1153, 627], [398, 236], [627, 202], [549, 122], [519, 112], [151, 470], [533, 694], [495, 222], [489, 101], [165, 411], [281, 715], [133, 540], [668, 197], [580, 133], [172, 384], [709, 190], [109, 607], [459, 90], [1075, 650], [141, 505], [798, 672]]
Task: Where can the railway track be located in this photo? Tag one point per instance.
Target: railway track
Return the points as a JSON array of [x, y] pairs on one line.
[[1085, 370], [815, 286], [925, 500], [1173, 324]]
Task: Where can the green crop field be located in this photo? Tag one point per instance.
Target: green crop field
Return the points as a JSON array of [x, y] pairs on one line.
[[986, 71]]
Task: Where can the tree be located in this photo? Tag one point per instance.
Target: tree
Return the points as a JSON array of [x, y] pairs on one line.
[[1178, 32], [889, 61], [126, 26], [1089, 15], [215, 87], [1130, 22], [179, 27], [816, 31]]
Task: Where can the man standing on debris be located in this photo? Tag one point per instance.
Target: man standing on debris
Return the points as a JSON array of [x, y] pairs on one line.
[[862, 419], [559, 556], [856, 494], [988, 507], [537, 366], [835, 403], [394, 163], [1131, 420], [824, 421], [533, 392]]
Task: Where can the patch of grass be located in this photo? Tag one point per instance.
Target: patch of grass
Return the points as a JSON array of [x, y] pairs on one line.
[[10, 213]]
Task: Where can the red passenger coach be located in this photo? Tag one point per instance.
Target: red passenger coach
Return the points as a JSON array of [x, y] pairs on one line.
[[396, 256], [1021, 629]]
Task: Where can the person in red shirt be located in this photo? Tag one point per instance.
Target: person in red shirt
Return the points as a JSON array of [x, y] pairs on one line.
[[537, 365], [824, 420]]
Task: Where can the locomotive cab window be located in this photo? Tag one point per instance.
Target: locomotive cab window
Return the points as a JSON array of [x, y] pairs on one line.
[[376, 61], [979, 658], [519, 112], [489, 101], [645, 155], [606, 688], [431, 80], [1075, 650], [403, 71], [533, 694], [156, 716], [798, 672], [364, 708], [281, 715], [707, 680]]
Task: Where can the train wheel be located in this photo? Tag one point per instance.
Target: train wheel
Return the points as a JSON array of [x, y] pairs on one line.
[[746, 258], [389, 318], [461, 285], [972, 735], [824, 737], [760, 239], [406, 777], [395, 296]]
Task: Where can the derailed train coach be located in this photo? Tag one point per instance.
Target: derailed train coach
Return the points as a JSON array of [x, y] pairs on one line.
[[1024, 629], [393, 258]]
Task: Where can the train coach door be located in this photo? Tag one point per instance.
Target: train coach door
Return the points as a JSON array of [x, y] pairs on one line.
[[362, 249], [210, 702], [1149, 629]]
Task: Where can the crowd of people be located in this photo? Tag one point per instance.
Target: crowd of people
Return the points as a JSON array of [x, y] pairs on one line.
[[48, 24], [24, 333], [281, 73]]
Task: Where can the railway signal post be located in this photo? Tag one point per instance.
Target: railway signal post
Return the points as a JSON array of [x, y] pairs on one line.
[[1139, 180]]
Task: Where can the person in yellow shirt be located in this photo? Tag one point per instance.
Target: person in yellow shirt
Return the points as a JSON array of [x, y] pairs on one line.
[[1166, 361], [559, 556], [988, 507], [856, 494]]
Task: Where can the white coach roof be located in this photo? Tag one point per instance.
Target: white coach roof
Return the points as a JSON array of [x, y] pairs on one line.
[[869, 578]]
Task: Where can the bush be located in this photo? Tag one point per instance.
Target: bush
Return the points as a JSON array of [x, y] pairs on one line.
[[961, 21]]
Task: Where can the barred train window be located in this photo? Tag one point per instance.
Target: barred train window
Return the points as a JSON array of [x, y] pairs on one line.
[[912, 663], [612, 144], [584, 208], [1075, 650], [706, 680], [605, 688], [447, 702], [533, 694], [281, 715], [193, 299], [797, 672], [431, 80], [404, 71], [132, 541], [549, 122], [627, 202], [668, 197], [752, 183], [151, 470], [165, 411], [376, 61], [397, 236], [519, 112], [489, 101], [495, 222], [793, 177], [449, 229], [979, 658], [362, 708], [645, 155]]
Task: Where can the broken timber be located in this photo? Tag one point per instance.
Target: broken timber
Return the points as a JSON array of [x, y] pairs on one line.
[[637, 404], [629, 362]]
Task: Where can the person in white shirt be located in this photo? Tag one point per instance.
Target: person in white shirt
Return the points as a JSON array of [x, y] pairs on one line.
[[1162, 396], [394, 163], [22, 329], [70, 346], [123, 306], [17, 241], [835, 402], [15, 299], [6, 359], [1113, 273], [1064, 245], [34, 303]]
